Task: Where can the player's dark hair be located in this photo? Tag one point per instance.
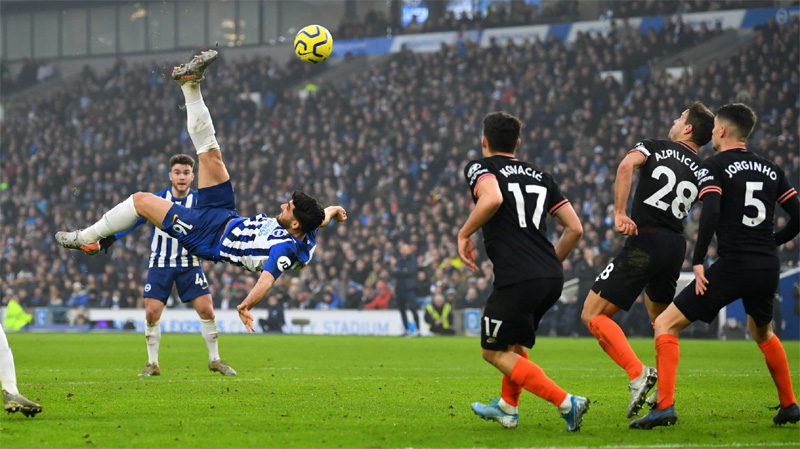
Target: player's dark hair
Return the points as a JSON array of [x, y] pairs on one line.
[[502, 131], [702, 120], [307, 211], [740, 116], [181, 159]]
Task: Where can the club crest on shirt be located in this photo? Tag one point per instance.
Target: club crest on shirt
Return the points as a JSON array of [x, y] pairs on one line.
[[474, 171]]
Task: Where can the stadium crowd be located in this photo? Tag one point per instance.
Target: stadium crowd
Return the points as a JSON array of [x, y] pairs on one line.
[[389, 145], [506, 14]]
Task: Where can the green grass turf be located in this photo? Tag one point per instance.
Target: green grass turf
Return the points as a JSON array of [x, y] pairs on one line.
[[374, 392]]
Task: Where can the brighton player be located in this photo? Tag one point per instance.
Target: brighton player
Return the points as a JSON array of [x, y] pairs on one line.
[[511, 199], [213, 230], [13, 400], [653, 254], [739, 190], [170, 264]]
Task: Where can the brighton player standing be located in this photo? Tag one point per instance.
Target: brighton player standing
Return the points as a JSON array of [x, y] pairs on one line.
[[170, 264], [739, 190], [511, 199], [213, 230], [13, 400], [653, 254]]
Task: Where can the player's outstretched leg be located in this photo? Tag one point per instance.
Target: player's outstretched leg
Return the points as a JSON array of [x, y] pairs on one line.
[[119, 218], [494, 412], [211, 170], [13, 403]]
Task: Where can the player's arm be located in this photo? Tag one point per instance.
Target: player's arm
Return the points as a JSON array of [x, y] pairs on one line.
[[792, 207], [336, 213], [489, 201], [622, 190], [256, 295], [709, 217], [573, 231]]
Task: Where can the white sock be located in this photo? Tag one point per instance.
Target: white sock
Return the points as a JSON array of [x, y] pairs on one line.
[[566, 406], [152, 333], [8, 377], [119, 218], [191, 92], [506, 407], [199, 124], [209, 330]]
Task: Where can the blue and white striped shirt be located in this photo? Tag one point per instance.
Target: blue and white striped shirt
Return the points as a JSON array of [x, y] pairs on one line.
[[166, 251], [260, 244]]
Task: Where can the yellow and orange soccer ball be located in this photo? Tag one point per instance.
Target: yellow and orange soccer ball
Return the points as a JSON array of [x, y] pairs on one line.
[[313, 44]]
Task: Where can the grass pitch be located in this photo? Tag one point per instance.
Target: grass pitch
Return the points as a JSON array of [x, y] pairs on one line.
[[371, 392]]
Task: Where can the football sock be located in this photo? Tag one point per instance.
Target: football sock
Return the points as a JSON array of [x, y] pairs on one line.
[[191, 92], [612, 339], [668, 354], [566, 404], [778, 365], [510, 390], [198, 120], [506, 407], [8, 377], [209, 330], [533, 379], [119, 218], [152, 333]]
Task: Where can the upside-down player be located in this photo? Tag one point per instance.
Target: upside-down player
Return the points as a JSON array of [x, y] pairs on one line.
[[214, 230]]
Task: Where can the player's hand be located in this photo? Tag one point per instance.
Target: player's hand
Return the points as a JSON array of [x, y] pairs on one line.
[[246, 317], [341, 214], [700, 281], [624, 225], [467, 251]]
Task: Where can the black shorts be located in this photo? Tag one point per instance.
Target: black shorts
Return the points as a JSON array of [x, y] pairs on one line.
[[650, 261], [727, 282], [512, 313]]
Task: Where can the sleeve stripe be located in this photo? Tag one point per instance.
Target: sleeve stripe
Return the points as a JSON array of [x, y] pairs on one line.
[[558, 206], [638, 152], [789, 193], [708, 189], [478, 181]]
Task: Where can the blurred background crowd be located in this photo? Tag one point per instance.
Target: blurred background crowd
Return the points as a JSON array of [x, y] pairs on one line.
[[389, 144]]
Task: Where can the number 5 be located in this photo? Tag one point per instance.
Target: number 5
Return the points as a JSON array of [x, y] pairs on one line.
[[750, 200]]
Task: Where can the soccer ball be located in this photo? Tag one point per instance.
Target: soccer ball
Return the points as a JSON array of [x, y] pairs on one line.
[[313, 44]]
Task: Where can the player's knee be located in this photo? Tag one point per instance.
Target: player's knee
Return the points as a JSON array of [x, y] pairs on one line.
[[761, 334], [489, 355], [206, 313], [587, 316], [152, 316], [139, 199]]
